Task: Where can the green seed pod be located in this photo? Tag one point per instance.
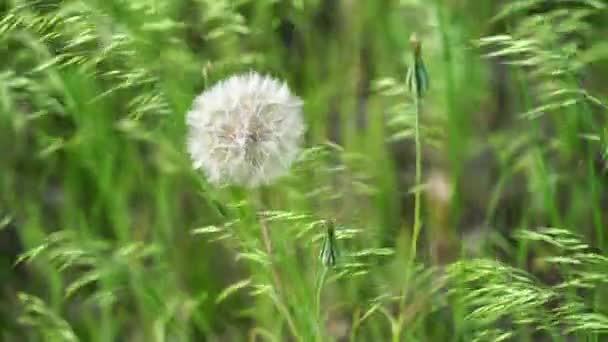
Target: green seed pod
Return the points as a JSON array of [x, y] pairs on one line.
[[329, 249], [417, 77]]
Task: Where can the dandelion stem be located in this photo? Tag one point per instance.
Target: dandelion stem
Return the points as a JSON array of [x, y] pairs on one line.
[[418, 180], [319, 292], [281, 305], [266, 238], [417, 82]]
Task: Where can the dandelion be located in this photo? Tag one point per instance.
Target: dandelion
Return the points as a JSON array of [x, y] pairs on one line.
[[245, 130]]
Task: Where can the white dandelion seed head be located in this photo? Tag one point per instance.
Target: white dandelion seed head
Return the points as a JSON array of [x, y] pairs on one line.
[[245, 130]]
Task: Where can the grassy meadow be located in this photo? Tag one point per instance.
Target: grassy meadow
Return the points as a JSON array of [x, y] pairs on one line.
[[472, 207]]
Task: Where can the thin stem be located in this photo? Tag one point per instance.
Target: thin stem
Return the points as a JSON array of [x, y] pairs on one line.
[[398, 328], [396, 331], [277, 279], [356, 319], [418, 181], [266, 238], [319, 292]]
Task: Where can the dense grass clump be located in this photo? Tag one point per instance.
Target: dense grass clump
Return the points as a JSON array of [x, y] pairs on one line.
[[441, 140]]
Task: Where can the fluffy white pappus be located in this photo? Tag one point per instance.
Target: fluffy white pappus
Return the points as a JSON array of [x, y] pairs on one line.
[[245, 130]]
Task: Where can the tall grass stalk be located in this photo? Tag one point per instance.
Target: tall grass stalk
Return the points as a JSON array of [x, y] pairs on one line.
[[278, 284], [417, 81], [318, 295], [418, 180], [281, 302]]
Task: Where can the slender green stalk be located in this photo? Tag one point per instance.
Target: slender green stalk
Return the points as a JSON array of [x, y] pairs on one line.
[[417, 220], [278, 284], [318, 294], [417, 82], [418, 181], [319, 291]]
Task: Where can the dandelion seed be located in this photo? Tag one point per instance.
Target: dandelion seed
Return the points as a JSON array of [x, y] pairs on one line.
[[245, 130]]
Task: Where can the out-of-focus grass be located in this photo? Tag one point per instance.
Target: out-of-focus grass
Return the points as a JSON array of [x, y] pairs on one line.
[[96, 185]]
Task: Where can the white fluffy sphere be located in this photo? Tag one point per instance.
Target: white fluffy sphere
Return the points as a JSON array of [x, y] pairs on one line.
[[245, 130]]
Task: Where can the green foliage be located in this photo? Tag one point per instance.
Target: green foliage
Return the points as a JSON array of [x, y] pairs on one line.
[[500, 295], [99, 205], [37, 315]]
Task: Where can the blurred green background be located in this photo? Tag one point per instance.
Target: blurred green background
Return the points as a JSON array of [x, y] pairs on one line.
[[97, 187]]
